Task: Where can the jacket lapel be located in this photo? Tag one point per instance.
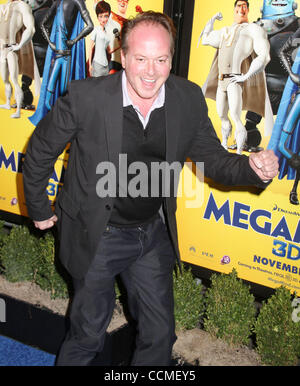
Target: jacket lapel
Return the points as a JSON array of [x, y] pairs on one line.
[[172, 111], [114, 118]]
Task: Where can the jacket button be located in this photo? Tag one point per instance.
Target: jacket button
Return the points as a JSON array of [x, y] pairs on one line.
[[107, 207]]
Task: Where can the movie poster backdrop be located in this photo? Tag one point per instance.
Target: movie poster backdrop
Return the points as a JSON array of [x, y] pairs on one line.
[[220, 228], [257, 233], [15, 132]]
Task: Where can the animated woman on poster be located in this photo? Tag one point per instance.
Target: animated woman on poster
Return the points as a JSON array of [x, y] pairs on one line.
[[100, 42]]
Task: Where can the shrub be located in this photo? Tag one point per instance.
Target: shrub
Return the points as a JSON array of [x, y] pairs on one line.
[[277, 335], [3, 234], [47, 276], [25, 257], [18, 255], [189, 300], [230, 309]]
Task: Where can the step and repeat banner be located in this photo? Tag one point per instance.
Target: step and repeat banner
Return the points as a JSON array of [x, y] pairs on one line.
[[220, 228], [40, 76], [257, 233]]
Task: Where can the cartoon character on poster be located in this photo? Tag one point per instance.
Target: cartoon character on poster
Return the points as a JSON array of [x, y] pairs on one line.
[[16, 52], [117, 21], [39, 9], [100, 42], [285, 140], [236, 80], [115, 24], [280, 22], [65, 59]]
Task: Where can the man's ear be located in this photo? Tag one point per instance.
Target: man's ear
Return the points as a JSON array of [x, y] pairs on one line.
[[123, 59]]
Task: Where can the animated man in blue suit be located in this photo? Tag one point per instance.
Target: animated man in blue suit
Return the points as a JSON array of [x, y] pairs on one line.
[[65, 58], [285, 140]]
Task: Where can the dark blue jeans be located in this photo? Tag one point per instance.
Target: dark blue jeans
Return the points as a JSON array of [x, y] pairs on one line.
[[144, 257]]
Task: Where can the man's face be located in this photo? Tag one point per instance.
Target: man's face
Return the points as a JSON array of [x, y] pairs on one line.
[[122, 6], [147, 62], [241, 11], [103, 18]]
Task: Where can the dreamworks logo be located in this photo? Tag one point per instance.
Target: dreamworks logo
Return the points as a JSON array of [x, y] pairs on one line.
[[157, 179], [2, 311]]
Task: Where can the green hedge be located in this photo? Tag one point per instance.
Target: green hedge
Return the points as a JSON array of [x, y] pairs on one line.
[[25, 257], [188, 300], [227, 307], [230, 310], [277, 334]]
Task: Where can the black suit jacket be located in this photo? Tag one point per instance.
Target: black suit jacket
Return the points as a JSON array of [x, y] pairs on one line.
[[90, 118]]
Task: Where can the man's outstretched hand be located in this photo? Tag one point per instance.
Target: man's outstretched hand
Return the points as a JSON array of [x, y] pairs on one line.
[[46, 224], [265, 164]]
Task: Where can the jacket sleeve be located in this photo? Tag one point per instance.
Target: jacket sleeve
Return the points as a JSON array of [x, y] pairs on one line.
[[47, 142], [220, 165]]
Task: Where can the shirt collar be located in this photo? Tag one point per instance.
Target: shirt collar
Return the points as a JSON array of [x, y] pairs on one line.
[[159, 101]]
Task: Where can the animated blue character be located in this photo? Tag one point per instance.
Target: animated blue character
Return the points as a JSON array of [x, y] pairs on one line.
[[280, 22], [273, 9], [65, 59], [285, 140]]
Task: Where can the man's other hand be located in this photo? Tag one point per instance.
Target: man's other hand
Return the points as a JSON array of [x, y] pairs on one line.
[[46, 224], [265, 164]]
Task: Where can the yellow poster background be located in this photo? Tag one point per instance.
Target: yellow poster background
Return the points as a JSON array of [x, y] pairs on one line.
[[15, 133], [270, 257]]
